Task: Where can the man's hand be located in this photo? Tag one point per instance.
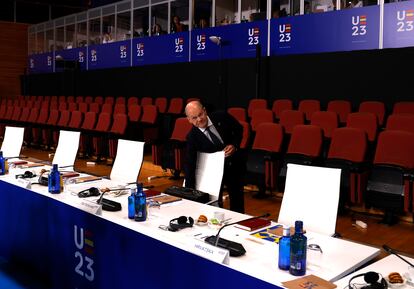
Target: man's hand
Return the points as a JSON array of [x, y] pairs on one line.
[[229, 150]]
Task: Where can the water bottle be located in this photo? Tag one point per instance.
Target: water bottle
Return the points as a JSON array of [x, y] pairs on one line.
[[140, 204], [54, 180], [131, 204], [3, 161], [298, 245], [284, 249]]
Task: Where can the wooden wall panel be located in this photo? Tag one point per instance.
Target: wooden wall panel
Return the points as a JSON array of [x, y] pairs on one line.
[[13, 57]]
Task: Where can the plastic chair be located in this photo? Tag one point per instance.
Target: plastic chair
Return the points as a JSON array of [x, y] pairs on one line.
[[280, 105], [291, 118], [117, 131], [146, 101], [176, 106], [304, 148], [403, 107], [375, 107], [85, 143], [238, 113], [254, 104], [308, 107], [260, 116], [264, 159], [341, 107], [161, 103], [171, 155], [327, 120], [347, 152], [366, 121], [390, 179], [404, 122]]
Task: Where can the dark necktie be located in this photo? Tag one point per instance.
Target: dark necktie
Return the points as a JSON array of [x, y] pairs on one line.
[[216, 141]]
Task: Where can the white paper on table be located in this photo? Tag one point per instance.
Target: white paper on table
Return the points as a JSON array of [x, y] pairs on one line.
[[209, 172], [12, 142], [311, 195], [128, 161], [67, 148]]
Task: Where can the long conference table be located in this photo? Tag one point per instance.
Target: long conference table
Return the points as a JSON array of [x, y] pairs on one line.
[[58, 240]]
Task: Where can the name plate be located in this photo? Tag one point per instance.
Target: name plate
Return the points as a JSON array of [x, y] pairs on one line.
[[89, 206], [27, 184], [210, 252]]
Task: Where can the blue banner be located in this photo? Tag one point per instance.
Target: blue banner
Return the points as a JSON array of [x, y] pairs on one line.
[[236, 41], [116, 54], [161, 49], [351, 29], [399, 24], [74, 54], [40, 63]]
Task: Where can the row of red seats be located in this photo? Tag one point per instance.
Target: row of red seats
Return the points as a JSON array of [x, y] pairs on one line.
[[99, 104], [309, 106]]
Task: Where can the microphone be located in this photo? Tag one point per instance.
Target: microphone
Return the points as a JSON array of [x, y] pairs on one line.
[[391, 251], [235, 249], [108, 205]]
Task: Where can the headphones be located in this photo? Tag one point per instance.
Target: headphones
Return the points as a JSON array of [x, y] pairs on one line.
[[91, 192], [181, 223], [26, 175], [371, 279]]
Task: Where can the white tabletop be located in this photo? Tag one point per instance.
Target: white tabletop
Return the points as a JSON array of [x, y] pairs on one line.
[[339, 257], [384, 267]]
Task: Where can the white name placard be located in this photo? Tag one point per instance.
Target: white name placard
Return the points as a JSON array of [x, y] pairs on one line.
[[90, 207], [210, 252]]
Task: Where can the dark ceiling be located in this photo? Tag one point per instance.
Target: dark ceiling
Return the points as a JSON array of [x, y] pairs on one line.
[[36, 11]]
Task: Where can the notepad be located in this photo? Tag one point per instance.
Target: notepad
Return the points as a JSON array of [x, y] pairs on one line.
[[165, 199], [87, 179], [253, 224]]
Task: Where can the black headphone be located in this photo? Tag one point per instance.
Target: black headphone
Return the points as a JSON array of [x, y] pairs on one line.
[[181, 223], [371, 278], [26, 175], [91, 192]]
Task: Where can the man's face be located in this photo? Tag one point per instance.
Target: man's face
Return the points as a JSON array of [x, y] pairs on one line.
[[197, 116]]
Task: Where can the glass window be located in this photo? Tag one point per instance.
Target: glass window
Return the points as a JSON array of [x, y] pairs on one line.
[[40, 42], [70, 36], [159, 19], [141, 17], [179, 16], [60, 38], [283, 8], [32, 43], [123, 26], [226, 12], [50, 40], [81, 35], [108, 29], [95, 31], [202, 13], [253, 10], [318, 6]]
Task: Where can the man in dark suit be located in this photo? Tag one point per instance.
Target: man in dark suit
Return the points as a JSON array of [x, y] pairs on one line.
[[211, 133]]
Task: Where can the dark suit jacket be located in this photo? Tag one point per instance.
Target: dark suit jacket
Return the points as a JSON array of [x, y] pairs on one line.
[[231, 132]]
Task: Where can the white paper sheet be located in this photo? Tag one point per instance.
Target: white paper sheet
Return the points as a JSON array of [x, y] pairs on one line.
[[128, 161], [311, 195], [209, 173], [12, 142], [67, 148]]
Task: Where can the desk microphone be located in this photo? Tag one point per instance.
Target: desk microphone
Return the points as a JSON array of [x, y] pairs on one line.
[[235, 249], [391, 251], [108, 205]]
